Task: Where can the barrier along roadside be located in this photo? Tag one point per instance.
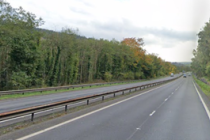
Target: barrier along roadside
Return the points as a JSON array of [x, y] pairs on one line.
[[33, 110], [10, 92]]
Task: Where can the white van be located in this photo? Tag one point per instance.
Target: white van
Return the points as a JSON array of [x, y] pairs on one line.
[[172, 75]]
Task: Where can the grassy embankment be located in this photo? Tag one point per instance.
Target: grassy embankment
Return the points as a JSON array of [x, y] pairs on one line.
[[204, 87]]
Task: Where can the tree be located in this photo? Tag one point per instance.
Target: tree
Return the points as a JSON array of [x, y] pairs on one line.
[[20, 40], [201, 61]]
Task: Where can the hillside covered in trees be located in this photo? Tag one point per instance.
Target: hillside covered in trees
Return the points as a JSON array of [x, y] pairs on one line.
[[201, 61], [30, 57]]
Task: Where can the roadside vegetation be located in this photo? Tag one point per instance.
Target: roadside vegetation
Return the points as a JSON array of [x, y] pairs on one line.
[[204, 87], [31, 57], [201, 61]]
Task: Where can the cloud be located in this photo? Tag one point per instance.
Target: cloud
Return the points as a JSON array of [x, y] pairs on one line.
[[171, 34], [124, 28], [164, 25], [79, 11]]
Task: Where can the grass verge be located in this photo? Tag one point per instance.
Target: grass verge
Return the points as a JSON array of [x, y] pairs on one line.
[[204, 87]]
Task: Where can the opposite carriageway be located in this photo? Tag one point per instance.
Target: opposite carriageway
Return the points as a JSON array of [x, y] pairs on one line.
[[36, 109]]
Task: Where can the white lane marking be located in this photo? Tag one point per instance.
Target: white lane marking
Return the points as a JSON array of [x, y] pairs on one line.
[[82, 116], [172, 93], [137, 129], [166, 99], [204, 104], [14, 118], [152, 113]]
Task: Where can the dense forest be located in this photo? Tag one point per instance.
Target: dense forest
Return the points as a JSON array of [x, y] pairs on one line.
[[32, 57], [201, 61]]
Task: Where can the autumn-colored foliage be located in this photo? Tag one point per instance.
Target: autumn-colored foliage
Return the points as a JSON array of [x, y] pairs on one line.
[[32, 57], [149, 63]]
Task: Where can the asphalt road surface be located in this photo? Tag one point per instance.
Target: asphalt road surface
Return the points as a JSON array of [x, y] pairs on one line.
[[172, 111], [15, 104]]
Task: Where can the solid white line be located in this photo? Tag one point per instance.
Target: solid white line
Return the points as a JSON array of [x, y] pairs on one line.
[[204, 105], [82, 116], [152, 113], [14, 118]]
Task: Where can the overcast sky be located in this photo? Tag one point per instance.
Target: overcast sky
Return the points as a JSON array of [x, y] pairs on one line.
[[169, 27]]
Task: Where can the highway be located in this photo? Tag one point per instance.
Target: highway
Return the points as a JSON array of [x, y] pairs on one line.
[[15, 104], [172, 111]]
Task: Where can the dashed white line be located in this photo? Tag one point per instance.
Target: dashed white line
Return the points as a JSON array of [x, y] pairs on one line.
[[172, 93], [82, 116], [166, 99], [152, 113]]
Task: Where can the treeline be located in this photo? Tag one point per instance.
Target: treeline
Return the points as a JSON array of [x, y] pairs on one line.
[[182, 66], [201, 61], [37, 58]]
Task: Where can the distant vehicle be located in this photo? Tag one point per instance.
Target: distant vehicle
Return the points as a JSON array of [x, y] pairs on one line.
[[172, 75], [189, 74], [184, 75]]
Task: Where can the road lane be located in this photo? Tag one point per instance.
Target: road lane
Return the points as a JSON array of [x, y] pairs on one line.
[[14, 104], [173, 112], [182, 117]]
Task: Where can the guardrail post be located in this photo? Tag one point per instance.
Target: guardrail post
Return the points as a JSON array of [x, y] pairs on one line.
[[88, 102], [32, 117], [66, 107], [102, 98], [23, 93], [114, 94], [135, 89], [123, 93], [129, 90]]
